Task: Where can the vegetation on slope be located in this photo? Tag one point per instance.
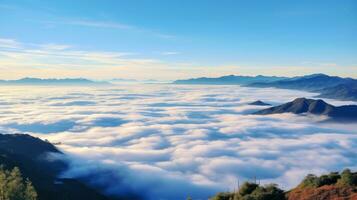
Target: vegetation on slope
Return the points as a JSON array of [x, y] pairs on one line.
[[338, 186], [252, 191]]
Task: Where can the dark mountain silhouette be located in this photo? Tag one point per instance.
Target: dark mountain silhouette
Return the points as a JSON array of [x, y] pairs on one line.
[[39, 81], [317, 107], [229, 80], [20, 143], [259, 103], [29, 154], [328, 86]]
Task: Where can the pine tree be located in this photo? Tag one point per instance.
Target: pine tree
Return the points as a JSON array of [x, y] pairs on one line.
[[346, 178], [3, 183], [30, 192], [13, 187]]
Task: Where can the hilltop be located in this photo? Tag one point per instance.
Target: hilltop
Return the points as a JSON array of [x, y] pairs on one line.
[[316, 107], [30, 154]]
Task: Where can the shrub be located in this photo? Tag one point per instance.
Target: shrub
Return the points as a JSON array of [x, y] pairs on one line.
[[223, 196], [247, 188], [347, 178], [310, 181]]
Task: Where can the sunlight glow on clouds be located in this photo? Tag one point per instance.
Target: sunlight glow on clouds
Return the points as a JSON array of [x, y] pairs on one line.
[[66, 61], [170, 142]]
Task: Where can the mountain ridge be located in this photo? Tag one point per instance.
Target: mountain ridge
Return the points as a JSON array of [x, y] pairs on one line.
[[333, 87], [229, 80], [316, 107], [327, 86], [52, 81]]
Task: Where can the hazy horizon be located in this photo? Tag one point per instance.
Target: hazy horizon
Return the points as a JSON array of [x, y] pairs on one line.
[[168, 80]]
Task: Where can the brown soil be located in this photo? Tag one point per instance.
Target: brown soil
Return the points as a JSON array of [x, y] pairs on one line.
[[327, 192]]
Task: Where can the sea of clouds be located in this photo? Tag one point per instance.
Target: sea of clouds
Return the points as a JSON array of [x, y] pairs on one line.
[[173, 141]]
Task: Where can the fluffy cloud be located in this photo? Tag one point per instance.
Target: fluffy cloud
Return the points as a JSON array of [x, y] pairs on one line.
[[170, 142]]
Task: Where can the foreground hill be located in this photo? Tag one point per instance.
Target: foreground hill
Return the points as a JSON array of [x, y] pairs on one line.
[[229, 80], [38, 81], [332, 186], [327, 192], [316, 107], [29, 155]]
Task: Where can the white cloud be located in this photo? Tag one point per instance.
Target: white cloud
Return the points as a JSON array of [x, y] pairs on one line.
[[168, 53], [170, 142], [9, 43], [99, 24]]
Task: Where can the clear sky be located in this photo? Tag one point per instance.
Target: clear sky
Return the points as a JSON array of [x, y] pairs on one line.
[[171, 39]]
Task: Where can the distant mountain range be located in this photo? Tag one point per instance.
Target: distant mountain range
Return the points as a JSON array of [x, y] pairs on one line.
[[327, 86], [311, 82], [230, 80], [122, 80], [316, 107], [39, 81]]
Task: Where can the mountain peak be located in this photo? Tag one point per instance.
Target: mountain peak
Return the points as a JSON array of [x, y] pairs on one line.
[[312, 106], [317, 75], [259, 103], [300, 105]]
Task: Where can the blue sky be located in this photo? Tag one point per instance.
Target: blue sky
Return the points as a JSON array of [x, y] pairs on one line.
[[177, 39]]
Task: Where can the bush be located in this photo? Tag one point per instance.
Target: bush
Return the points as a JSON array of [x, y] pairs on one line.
[[247, 188], [310, 181], [252, 191], [223, 196], [347, 178], [268, 192]]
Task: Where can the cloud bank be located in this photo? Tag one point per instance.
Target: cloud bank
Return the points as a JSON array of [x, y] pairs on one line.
[[171, 142]]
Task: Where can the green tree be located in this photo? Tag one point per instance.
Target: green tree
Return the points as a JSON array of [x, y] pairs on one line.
[[310, 181], [30, 192], [13, 186], [3, 183], [346, 178]]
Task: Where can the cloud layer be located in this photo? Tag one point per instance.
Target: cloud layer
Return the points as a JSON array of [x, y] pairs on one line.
[[170, 142]]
